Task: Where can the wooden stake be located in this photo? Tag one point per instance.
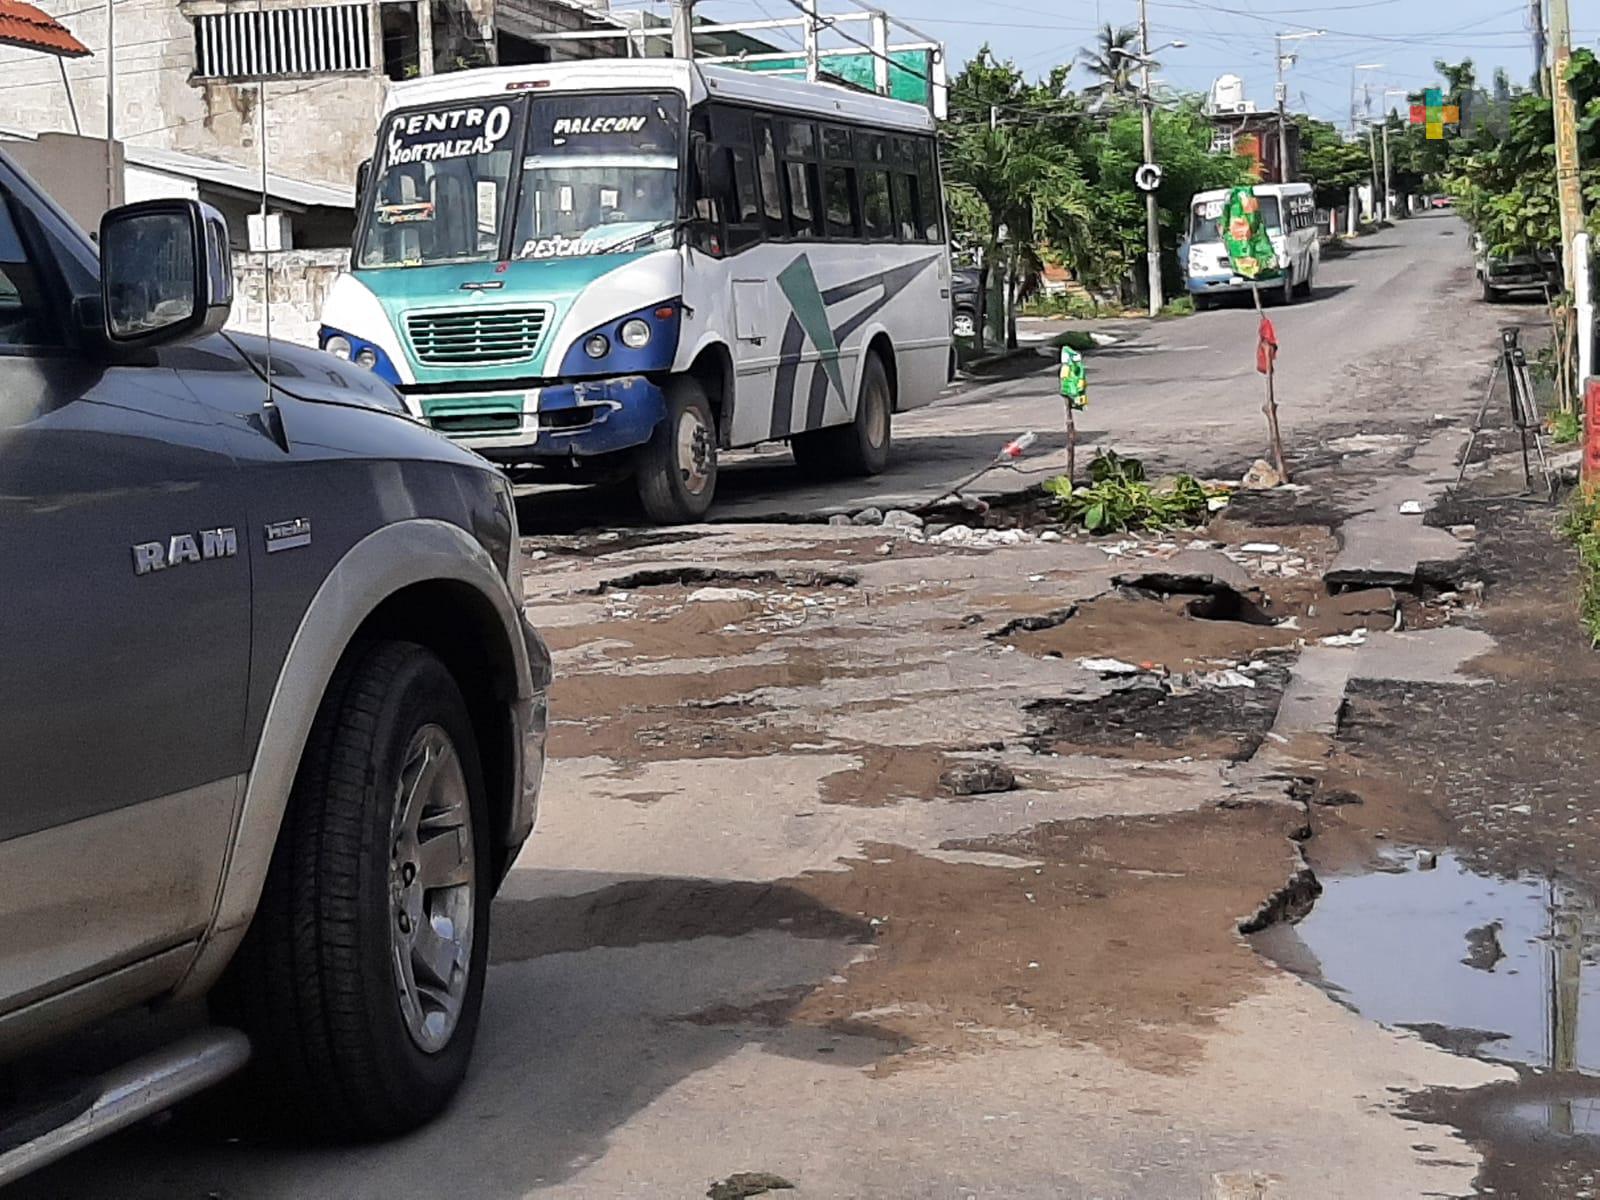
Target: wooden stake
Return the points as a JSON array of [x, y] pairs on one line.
[[1271, 406], [1072, 443]]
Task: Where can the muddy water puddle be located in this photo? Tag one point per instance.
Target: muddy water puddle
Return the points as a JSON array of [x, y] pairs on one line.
[[1502, 969]]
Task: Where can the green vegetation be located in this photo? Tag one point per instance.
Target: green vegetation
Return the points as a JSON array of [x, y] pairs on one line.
[[1582, 527], [1565, 428], [1037, 172], [1076, 338], [1118, 498], [1181, 306]]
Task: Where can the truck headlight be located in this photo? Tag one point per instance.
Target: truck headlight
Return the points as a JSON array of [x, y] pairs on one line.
[[635, 334]]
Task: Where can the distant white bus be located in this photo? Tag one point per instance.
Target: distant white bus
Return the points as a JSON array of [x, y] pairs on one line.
[[1289, 214], [619, 267]]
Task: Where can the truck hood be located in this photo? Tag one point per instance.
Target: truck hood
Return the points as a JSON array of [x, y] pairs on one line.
[[316, 375]]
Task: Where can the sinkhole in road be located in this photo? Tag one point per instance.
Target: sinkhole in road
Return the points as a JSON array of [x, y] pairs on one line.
[[1502, 969]]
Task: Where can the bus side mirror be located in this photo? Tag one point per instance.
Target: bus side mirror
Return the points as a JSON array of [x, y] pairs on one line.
[[363, 177]]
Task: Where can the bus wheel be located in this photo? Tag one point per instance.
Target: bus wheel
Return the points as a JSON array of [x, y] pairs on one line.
[[862, 446], [677, 472]]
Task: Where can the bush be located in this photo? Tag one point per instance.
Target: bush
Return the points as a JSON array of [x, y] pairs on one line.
[[1565, 428], [1118, 498], [1581, 526]]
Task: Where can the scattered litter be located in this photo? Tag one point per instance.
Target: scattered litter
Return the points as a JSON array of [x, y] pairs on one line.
[[1411, 508], [618, 597], [748, 1183], [899, 518], [610, 535], [840, 519], [1427, 860], [1035, 578], [1356, 637], [1464, 533], [1033, 966], [956, 535], [1049, 535], [978, 778], [868, 516], [1108, 666], [1225, 679], [1216, 503], [1522, 810], [711, 594], [1261, 476], [536, 555], [1261, 548]]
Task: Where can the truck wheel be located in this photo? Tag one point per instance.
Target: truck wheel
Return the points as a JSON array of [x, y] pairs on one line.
[[860, 447], [1490, 295], [360, 979], [677, 471]]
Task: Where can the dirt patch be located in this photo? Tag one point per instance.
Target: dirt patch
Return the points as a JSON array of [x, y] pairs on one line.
[[599, 545], [1317, 544], [1151, 717], [887, 774], [1122, 935]]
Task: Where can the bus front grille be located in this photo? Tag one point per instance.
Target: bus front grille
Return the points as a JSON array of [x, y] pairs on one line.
[[476, 337]]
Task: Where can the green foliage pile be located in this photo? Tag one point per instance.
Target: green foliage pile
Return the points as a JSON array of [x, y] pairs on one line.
[[1582, 527], [1118, 498]]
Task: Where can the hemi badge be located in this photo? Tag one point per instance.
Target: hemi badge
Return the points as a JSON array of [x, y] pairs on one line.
[[288, 535]]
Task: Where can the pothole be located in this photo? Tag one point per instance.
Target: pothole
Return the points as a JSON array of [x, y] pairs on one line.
[[1496, 968]]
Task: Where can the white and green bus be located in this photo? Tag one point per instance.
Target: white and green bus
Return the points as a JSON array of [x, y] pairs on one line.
[[618, 267]]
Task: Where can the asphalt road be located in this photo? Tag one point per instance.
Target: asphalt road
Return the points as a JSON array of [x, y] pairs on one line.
[[1383, 322]]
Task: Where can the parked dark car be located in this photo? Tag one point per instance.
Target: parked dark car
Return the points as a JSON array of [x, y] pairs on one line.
[[271, 718], [966, 301]]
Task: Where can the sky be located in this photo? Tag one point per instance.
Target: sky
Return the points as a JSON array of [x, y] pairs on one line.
[[1395, 41]]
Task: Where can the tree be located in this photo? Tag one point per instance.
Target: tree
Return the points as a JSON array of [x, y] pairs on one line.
[[1112, 61], [1330, 164]]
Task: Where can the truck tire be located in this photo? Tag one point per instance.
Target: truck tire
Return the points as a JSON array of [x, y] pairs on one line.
[[677, 469], [360, 979], [860, 447]]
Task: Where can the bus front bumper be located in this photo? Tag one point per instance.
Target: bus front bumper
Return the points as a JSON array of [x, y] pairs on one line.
[[557, 422]]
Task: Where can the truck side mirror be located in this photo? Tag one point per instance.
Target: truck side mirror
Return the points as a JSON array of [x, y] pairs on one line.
[[166, 272]]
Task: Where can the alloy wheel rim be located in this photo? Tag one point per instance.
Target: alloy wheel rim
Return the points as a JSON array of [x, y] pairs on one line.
[[431, 888]]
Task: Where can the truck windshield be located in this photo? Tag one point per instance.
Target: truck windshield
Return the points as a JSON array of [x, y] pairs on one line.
[[1206, 222], [599, 174], [440, 192]]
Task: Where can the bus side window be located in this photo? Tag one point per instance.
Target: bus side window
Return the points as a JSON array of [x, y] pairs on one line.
[[839, 183], [705, 232], [903, 159], [767, 175], [928, 190], [730, 128]]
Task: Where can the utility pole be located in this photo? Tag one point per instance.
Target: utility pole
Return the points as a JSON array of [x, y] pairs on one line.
[[683, 29], [1280, 93], [810, 9], [1388, 173], [1536, 17], [111, 104], [1152, 213], [1568, 196]]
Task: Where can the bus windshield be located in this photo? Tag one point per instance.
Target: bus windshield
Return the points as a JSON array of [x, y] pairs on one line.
[[592, 174], [1206, 222], [599, 174]]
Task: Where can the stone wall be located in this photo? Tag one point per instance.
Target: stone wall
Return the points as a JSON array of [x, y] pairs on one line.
[[300, 281]]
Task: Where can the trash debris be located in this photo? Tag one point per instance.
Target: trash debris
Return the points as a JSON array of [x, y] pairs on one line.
[[1108, 666], [1357, 637], [707, 595], [748, 1183], [1261, 548], [1216, 503], [1522, 810], [868, 516], [1224, 679], [1427, 860], [978, 778], [886, 548], [956, 535], [1464, 533], [899, 518], [1049, 535], [1261, 476], [840, 519], [1411, 508], [536, 555]]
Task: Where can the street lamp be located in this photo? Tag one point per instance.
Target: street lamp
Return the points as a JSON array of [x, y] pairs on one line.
[[1281, 94], [1354, 71]]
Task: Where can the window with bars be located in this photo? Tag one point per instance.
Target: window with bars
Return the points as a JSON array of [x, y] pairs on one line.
[[274, 42]]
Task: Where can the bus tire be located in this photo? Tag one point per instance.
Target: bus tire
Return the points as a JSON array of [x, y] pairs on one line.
[[677, 469], [860, 447]]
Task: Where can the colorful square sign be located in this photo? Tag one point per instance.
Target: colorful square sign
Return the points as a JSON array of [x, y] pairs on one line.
[[1452, 114], [1419, 114]]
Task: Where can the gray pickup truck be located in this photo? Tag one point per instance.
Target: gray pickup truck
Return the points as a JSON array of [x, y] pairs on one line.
[[271, 719]]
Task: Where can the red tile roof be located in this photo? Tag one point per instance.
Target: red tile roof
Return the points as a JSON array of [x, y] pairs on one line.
[[26, 26]]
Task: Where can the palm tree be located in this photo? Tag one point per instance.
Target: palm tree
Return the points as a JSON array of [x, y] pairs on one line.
[[1112, 61]]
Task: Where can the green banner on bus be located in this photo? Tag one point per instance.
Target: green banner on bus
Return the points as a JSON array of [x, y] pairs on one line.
[[909, 71]]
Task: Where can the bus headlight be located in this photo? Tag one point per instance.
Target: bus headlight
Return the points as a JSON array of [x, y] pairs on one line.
[[597, 346], [635, 334], [367, 357], [338, 346]]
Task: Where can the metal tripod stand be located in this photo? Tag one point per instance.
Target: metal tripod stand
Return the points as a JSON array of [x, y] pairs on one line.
[[1513, 364]]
